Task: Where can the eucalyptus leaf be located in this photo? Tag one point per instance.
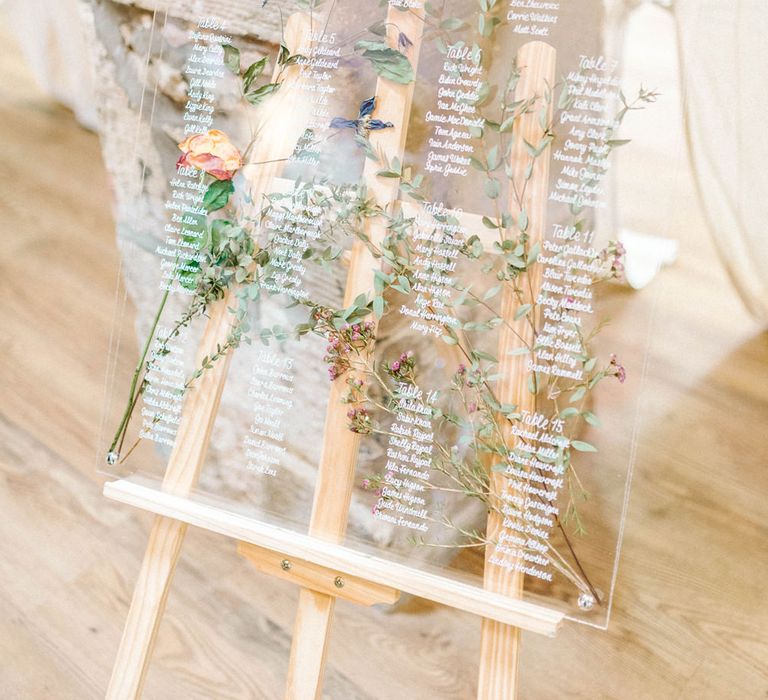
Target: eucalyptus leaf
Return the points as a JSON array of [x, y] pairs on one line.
[[378, 306], [592, 419], [522, 221], [492, 188], [522, 311], [533, 253], [387, 62], [451, 24], [582, 446], [578, 394]]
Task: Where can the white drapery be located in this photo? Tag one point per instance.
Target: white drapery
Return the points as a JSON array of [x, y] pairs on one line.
[[724, 66], [50, 35]]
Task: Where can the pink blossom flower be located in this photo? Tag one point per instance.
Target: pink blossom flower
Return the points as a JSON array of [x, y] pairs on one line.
[[617, 369]]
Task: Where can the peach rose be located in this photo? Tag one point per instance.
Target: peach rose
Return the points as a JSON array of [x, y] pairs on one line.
[[213, 153]]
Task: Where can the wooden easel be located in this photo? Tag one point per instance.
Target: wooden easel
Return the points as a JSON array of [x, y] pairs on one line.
[[323, 568]]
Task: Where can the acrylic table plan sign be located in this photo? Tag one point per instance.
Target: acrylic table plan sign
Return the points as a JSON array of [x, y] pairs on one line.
[[374, 353]]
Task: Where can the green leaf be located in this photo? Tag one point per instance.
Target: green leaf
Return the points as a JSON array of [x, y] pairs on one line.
[[493, 158], [592, 419], [530, 148], [365, 144], [477, 164], [379, 29], [217, 194], [578, 394], [568, 412], [582, 446], [449, 340], [533, 253], [378, 306], [451, 24], [231, 58], [257, 96], [522, 221], [522, 311], [507, 124], [528, 171], [519, 351], [492, 188], [482, 355], [387, 62], [252, 72]]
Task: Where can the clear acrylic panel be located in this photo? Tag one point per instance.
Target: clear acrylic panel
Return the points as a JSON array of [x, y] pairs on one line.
[[491, 371]]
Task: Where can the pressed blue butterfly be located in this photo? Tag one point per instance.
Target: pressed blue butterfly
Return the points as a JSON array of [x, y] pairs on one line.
[[365, 123]]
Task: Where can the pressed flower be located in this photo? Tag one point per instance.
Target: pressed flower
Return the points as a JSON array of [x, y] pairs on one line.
[[365, 123], [402, 369], [616, 369], [359, 421], [212, 153], [403, 42]]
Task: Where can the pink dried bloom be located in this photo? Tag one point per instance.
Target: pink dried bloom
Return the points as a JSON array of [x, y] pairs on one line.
[[403, 368], [616, 369], [359, 421]]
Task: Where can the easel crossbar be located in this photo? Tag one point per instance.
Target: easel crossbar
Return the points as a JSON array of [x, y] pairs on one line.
[[347, 561]]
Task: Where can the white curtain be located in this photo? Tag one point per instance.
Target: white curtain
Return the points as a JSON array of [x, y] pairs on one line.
[[50, 35], [723, 47]]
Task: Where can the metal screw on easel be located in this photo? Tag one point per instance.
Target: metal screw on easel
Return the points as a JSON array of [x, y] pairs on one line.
[[338, 582], [285, 565]]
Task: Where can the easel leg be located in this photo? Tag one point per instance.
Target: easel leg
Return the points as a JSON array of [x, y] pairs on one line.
[[146, 609], [307, 664], [500, 661]]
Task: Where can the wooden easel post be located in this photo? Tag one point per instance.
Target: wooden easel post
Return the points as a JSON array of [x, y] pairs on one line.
[[189, 450], [335, 476], [500, 644]]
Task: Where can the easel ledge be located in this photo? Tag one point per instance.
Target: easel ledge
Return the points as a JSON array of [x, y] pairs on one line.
[[339, 559]]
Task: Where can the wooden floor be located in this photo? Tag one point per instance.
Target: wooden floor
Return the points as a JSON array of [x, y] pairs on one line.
[[690, 616]]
